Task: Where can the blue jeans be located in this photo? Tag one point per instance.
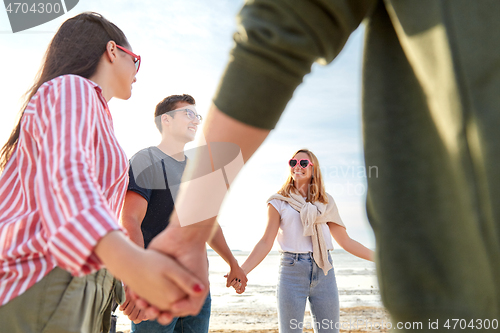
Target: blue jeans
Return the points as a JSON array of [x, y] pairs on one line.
[[301, 279], [189, 324]]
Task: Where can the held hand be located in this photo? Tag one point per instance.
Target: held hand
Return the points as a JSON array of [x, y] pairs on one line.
[[129, 309], [238, 286], [237, 279], [166, 281], [194, 258], [236, 273]]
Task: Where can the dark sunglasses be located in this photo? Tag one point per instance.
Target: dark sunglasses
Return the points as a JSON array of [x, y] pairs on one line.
[[303, 163], [137, 58]]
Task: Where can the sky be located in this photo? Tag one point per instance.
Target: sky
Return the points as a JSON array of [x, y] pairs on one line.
[[184, 46]]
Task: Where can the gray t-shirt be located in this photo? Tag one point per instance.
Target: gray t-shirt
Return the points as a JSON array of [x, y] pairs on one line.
[[156, 177]]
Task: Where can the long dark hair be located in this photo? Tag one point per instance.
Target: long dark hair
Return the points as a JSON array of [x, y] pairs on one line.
[[76, 49]]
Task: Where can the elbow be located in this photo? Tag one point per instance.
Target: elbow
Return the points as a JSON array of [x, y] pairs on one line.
[[130, 223], [267, 245]]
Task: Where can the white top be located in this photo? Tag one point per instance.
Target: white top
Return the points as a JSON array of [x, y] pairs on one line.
[[290, 234]]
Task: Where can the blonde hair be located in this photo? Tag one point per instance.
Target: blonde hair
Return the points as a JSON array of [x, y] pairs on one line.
[[316, 189]]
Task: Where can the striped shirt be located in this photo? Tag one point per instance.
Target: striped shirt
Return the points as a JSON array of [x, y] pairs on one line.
[[63, 188]]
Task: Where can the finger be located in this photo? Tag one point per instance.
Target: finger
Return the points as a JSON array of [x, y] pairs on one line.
[[129, 310], [124, 305], [165, 318], [134, 315], [186, 307], [142, 304], [184, 279], [141, 316], [151, 312]]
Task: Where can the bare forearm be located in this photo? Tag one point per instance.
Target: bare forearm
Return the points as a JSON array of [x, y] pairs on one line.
[[222, 128], [116, 252], [359, 250], [210, 190], [166, 282], [218, 244], [134, 232], [260, 251], [350, 245], [133, 213], [199, 233]]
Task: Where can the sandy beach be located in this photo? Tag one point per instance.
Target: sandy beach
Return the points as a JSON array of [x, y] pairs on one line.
[[356, 319], [255, 310]]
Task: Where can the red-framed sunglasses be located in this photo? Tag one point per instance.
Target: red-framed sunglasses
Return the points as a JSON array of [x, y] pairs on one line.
[[137, 58], [303, 163]]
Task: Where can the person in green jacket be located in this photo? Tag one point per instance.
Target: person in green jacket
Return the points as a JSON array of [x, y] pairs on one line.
[[431, 114]]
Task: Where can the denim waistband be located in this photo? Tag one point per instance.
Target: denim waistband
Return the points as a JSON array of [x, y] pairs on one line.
[[299, 255]]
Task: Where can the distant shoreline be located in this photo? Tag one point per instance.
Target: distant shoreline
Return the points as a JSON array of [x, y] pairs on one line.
[[273, 252]]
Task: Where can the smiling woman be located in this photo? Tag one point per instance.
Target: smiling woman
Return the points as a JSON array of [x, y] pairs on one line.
[[63, 182], [301, 216]]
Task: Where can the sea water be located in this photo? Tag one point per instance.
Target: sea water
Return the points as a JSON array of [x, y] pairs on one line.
[[356, 281]]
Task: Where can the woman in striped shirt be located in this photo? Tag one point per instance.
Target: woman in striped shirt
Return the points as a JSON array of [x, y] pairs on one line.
[[62, 188]]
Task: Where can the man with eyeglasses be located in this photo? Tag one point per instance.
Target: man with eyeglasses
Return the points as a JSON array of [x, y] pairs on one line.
[[154, 178]]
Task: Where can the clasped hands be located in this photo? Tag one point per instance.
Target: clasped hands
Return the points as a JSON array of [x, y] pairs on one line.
[[237, 279], [175, 284]]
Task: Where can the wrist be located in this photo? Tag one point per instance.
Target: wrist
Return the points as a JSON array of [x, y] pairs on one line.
[[116, 252], [245, 268], [233, 263]]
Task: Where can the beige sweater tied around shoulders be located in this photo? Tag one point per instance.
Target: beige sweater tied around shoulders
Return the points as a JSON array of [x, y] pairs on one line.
[[312, 214]]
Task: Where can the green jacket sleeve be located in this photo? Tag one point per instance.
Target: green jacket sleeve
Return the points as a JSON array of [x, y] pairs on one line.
[[275, 45]]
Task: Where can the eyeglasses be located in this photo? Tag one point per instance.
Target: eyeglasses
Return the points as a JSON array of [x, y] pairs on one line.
[[137, 58], [190, 113], [303, 163]]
